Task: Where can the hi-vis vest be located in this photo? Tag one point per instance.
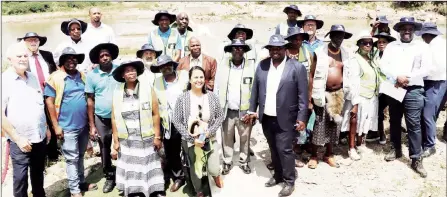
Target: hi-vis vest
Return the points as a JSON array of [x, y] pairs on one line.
[[283, 27], [145, 100], [246, 82], [369, 77], [305, 58], [170, 47], [160, 91], [185, 50]]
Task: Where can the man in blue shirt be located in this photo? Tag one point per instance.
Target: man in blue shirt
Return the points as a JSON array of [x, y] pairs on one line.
[[311, 24], [67, 106], [99, 87], [164, 38]]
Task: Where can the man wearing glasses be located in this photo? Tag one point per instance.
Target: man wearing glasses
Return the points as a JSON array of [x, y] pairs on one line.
[[311, 24]]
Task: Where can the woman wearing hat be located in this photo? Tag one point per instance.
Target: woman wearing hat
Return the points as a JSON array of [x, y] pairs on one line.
[[383, 39], [198, 115], [136, 133]]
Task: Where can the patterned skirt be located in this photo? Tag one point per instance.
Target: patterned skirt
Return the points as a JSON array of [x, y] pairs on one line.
[[325, 130], [138, 169]]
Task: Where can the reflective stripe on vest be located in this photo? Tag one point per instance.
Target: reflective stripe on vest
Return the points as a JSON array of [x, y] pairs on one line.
[[170, 47], [369, 79]]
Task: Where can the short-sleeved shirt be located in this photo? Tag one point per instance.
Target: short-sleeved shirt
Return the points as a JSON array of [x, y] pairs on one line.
[[73, 109], [314, 45], [102, 85], [22, 102], [165, 36]]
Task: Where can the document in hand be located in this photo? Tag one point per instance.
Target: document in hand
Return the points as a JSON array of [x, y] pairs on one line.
[[388, 88]]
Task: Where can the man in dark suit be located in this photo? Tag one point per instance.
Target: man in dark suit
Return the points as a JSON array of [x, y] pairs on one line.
[[280, 89]]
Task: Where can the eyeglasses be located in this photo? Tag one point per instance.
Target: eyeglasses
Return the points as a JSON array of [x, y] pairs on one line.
[[200, 112]]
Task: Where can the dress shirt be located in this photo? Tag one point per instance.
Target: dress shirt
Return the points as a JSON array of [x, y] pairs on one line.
[[43, 64], [438, 50], [83, 46], [22, 102], [234, 86], [101, 34], [196, 61], [314, 45], [174, 90], [406, 59], [273, 79]]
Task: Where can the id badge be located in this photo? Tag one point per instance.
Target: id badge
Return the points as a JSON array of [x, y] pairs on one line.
[[247, 80], [171, 46], [146, 106]]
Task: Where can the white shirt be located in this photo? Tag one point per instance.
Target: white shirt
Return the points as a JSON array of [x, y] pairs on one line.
[[438, 52], [273, 79], [42, 62], [83, 46], [234, 86], [174, 90], [101, 34], [196, 62], [406, 59]]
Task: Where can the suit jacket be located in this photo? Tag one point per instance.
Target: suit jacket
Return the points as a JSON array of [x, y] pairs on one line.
[[291, 98], [209, 64], [48, 57]]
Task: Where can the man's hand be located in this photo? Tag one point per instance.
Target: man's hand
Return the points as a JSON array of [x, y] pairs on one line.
[[59, 132], [299, 126], [199, 143], [310, 106], [115, 150], [402, 81], [48, 134], [252, 118], [24, 145], [93, 132], [157, 143]]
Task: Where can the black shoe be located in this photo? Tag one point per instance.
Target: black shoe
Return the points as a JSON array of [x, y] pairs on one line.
[[416, 165], [393, 155], [429, 152], [382, 137], [287, 190], [108, 186], [226, 169], [245, 168], [272, 182], [270, 166], [372, 136], [251, 152]]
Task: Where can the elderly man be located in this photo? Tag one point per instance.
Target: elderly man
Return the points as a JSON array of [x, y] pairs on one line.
[[197, 58], [23, 121], [97, 31], [164, 38], [281, 115], [99, 87], [75, 29], [149, 55], [185, 32], [405, 63], [233, 85], [434, 85], [168, 88], [293, 13], [311, 24], [67, 105]]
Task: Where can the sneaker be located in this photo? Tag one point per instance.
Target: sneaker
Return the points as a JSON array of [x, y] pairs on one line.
[[428, 152], [353, 154], [382, 137], [393, 155], [416, 165], [372, 136]]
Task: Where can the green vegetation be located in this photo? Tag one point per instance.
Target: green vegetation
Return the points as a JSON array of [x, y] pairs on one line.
[[20, 7], [436, 6]]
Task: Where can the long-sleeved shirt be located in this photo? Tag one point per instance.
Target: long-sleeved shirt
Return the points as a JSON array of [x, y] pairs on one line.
[[437, 48]]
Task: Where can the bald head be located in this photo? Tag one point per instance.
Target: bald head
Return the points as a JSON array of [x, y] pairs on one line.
[[182, 21], [195, 47], [17, 56], [95, 15]]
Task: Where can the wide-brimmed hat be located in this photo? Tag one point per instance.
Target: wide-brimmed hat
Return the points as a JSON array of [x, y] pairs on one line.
[[68, 51], [240, 27], [94, 53], [157, 17], [42, 39], [428, 28], [237, 43], [339, 28], [162, 60], [407, 20], [382, 19], [65, 25], [118, 72], [148, 47], [292, 7], [300, 23], [293, 31], [385, 35], [175, 25], [276, 40], [365, 35]]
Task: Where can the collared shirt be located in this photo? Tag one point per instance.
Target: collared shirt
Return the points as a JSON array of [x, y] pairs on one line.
[[406, 59], [314, 45], [273, 79], [83, 46], [196, 61], [173, 91], [165, 36], [438, 50], [22, 102], [42, 62], [101, 84], [184, 43], [101, 34], [234, 86], [73, 110]]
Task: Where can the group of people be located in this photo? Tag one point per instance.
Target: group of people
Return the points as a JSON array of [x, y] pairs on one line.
[[158, 114]]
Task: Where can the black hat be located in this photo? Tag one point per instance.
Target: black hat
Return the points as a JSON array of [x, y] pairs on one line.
[[241, 27], [428, 28], [407, 21], [175, 25], [237, 43], [292, 7], [42, 39], [162, 60], [157, 17], [276, 40], [94, 53], [68, 51], [382, 19], [339, 28], [385, 35], [148, 47], [293, 31], [65, 25], [118, 72], [300, 23]]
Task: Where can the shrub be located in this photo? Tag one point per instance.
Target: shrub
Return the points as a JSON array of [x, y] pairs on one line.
[[21, 7]]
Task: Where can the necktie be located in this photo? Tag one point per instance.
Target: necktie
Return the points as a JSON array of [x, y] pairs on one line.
[[39, 71]]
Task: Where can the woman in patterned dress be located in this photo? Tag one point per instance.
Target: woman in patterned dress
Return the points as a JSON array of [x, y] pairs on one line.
[[136, 133]]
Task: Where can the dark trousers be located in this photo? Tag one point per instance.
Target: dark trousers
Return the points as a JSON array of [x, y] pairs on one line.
[[280, 145], [434, 93], [35, 160], [444, 100], [173, 148], [52, 148], [383, 103], [104, 127], [411, 107]]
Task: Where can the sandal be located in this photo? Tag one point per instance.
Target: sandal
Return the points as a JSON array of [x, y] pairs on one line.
[[313, 162], [331, 161]]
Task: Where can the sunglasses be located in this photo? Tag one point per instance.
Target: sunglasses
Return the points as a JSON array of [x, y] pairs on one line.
[[200, 112], [366, 43]]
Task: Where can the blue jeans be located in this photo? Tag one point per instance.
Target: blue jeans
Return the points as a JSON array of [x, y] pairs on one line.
[[411, 107], [434, 93], [73, 148]]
